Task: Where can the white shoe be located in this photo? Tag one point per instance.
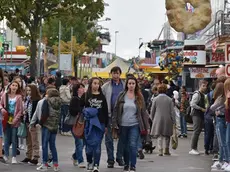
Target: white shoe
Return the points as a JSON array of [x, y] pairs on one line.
[[227, 168], [6, 158], [81, 165], [224, 166], [217, 165], [96, 168], [14, 161], [75, 163], [194, 152], [43, 167], [55, 167], [90, 167]]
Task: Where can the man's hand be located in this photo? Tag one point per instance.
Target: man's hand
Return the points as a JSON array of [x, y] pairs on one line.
[[203, 110]]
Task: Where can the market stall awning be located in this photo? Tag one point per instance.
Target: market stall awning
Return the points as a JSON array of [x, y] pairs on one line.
[[155, 69], [54, 66]]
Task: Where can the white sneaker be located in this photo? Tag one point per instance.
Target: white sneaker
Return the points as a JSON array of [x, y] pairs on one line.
[[90, 167], [227, 168], [81, 165], [75, 163], [14, 161], [194, 152], [43, 167], [96, 168], [224, 166], [6, 158], [55, 167], [217, 165]]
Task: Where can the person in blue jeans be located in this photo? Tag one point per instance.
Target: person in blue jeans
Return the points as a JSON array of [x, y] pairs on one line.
[[75, 109], [219, 109], [184, 103], [49, 122], [65, 97], [131, 118], [111, 90]]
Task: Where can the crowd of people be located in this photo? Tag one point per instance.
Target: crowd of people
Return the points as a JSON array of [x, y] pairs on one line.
[[90, 110]]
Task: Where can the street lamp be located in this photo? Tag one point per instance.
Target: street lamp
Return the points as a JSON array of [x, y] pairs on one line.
[[139, 46], [116, 32]]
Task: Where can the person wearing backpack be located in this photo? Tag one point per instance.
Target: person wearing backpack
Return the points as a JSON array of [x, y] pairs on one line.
[[197, 112]]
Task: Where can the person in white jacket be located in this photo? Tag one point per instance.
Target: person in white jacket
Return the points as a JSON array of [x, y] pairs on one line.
[[65, 97]]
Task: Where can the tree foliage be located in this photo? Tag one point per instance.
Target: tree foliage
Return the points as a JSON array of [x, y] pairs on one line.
[[77, 50], [25, 16], [84, 31]]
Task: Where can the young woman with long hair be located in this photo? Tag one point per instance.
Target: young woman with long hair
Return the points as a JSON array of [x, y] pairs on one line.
[[31, 101], [227, 116], [94, 99], [219, 108], [131, 118], [11, 104], [74, 110]]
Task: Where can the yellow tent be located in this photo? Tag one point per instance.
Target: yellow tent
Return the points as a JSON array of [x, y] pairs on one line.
[[105, 73]]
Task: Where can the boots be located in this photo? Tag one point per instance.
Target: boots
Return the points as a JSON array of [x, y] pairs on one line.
[[166, 152], [160, 152]]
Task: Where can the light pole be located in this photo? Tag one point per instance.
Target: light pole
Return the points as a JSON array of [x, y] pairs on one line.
[[116, 32], [139, 46]]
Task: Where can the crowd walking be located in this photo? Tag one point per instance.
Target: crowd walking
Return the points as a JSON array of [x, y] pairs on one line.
[[34, 112]]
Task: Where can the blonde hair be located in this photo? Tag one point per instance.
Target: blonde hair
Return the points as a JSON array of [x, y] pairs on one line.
[[226, 90]]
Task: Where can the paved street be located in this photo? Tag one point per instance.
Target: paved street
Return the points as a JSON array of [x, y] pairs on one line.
[[180, 161]]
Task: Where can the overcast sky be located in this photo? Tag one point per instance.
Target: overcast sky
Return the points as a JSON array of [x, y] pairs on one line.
[[133, 19]]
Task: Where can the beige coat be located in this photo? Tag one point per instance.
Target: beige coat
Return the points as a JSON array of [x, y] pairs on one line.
[[162, 115]]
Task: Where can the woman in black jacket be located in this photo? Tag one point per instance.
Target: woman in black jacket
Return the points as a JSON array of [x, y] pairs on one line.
[[31, 101], [74, 109]]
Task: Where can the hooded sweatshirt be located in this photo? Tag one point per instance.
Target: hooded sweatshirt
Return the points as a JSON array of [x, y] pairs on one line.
[[51, 111]]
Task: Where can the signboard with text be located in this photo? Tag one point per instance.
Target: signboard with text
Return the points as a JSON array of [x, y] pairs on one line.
[[203, 72], [194, 57], [227, 59]]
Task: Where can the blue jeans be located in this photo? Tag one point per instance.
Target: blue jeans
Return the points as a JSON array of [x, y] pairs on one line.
[[109, 143], [221, 136], [183, 124], [10, 137], [78, 155], [208, 134], [93, 153], [64, 111], [140, 146], [228, 140], [129, 137], [49, 138]]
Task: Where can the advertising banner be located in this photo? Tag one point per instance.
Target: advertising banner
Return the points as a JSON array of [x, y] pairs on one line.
[[203, 72]]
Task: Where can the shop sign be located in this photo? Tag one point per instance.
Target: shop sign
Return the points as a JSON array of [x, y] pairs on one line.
[[227, 52], [194, 57], [217, 58], [227, 70], [203, 72]]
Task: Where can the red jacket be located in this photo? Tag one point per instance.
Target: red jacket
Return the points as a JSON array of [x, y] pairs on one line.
[[18, 113]]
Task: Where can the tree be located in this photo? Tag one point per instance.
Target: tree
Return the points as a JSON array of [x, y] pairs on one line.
[[77, 49], [25, 16], [83, 30]]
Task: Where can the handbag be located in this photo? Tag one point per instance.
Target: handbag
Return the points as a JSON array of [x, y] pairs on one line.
[[78, 128], [22, 133], [70, 120]]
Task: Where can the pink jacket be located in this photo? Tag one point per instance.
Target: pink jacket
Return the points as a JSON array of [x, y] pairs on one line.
[[18, 113]]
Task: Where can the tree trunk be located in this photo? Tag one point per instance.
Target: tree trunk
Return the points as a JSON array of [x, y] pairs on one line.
[[33, 50], [76, 66]]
